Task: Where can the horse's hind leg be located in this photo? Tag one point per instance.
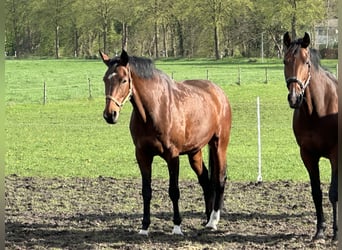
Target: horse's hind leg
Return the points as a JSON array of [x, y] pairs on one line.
[[173, 166], [197, 164], [217, 165], [333, 194]]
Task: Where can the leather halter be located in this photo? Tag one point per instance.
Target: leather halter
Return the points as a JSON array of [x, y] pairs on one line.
[[301, 84], [129, 94]]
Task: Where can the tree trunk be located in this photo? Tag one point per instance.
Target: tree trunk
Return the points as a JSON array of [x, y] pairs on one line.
[[217, 42], [156, 49], [57, 40], [294, 19], [179, 32], [165, 52], [104, 36], [124, 40], [76, 43]]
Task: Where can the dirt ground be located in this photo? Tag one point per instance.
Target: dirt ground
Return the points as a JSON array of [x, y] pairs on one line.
[[105, 213]]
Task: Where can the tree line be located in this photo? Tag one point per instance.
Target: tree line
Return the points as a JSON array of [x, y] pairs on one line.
[[158, 28]]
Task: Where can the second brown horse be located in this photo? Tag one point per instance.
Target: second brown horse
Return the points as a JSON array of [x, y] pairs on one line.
[[313, 96]]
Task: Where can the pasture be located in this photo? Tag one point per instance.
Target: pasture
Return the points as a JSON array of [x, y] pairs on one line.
[[72, 180], [68, 136]]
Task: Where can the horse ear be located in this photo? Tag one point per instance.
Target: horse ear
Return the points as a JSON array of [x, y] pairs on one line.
[[306, 40], [104, 57], [287, 39], [124, 58]]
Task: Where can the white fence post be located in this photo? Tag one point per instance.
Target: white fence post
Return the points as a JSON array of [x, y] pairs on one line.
[[259, 179]]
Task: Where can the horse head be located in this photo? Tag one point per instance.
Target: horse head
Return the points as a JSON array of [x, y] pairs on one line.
[[118, 85], [296, 68]]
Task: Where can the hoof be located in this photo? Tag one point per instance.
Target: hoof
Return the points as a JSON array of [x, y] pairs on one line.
[[214, 219], [211, 226], [319, 236], [143, 232], [177, 230]]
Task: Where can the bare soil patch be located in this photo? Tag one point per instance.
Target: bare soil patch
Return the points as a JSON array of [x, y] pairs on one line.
[[105, 213]]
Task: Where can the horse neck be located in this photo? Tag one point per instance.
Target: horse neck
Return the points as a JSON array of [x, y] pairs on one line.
[[147, 94], [321, 94]]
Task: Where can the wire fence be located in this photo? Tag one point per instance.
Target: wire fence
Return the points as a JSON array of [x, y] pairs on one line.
[[59, 87], [51, 90]]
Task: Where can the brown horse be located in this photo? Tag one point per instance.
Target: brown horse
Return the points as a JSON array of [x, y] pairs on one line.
[[170, 119], [313, 95]]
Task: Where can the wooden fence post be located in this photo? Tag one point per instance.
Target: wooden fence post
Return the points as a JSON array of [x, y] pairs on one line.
[[239, 76], [89, 88], [266, 75], [44, 94]]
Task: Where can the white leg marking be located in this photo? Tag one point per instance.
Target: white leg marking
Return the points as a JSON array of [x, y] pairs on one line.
[[143, 232], [177, 230], [214, 219]]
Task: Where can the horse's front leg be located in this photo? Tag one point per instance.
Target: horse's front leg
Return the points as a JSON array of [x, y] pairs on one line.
[[311, 164], [173, 166], [145, 165]]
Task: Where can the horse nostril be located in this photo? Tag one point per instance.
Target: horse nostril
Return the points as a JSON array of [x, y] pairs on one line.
[[115, 116]]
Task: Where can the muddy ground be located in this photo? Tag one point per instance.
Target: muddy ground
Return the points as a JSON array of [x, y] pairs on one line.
[[105, 213]]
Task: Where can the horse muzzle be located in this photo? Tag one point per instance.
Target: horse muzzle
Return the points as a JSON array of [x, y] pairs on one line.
[[112, 117], [295, 100]]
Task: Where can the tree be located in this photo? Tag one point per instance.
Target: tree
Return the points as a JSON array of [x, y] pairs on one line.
[[181, 28]]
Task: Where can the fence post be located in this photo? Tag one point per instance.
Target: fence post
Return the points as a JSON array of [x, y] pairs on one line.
[[89, 88], [207, 74], [266, 75], [239, 76], [259, 179], [44, 94]]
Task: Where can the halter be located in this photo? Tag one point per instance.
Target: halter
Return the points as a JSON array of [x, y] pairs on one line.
[[301, 84], [129, 94]]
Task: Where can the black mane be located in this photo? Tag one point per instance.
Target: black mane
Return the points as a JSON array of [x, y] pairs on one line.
[[315, 58], [141, 66]]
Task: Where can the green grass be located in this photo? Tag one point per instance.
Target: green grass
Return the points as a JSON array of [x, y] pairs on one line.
[[68, 136]]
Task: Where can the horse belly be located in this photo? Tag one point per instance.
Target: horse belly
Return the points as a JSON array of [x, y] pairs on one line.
[[317, 141]]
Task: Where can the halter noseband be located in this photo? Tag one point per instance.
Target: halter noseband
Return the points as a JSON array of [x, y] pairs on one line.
[[129, 94], [301, 84]]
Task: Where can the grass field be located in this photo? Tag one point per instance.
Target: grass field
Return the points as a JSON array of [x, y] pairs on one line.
[[68, 136]]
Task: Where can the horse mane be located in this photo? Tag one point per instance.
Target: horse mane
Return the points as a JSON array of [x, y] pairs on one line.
[[315, 58], [141, 66]]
